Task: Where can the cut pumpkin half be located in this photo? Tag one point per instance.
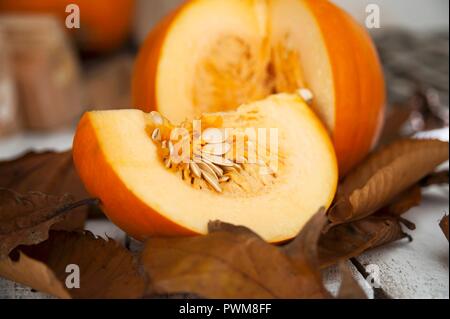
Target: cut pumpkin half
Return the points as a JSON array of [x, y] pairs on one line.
[[126, 158], [213, 55]]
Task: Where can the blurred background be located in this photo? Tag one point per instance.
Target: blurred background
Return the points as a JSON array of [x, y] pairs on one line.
[[50, 75]]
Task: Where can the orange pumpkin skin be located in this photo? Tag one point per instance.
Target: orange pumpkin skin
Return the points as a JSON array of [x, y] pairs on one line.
[[144, 75], [105, 24], [356, 69], [359, 79]]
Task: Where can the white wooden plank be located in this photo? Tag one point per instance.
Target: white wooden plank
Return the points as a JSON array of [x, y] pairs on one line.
[[418, 269], [12, 290], [15, 145], [105, 229], [332, 280]]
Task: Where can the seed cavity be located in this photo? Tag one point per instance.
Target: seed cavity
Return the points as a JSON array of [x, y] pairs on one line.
[[211, 164], [234, 70]]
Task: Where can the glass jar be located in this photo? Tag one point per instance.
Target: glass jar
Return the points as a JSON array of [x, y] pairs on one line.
[[9, 114], [46, 70]]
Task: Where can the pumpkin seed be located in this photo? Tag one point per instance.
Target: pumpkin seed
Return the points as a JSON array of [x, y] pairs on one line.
[[205, 168], [214, 136], [224, 179], [168, 163], [217, 170], [156, 118], [171, 148], [185, 173], [306, 95], [195, 170], [213, 181], [156, 135], [241, 160], [218, 160], [217, 149], [229, 169], [237, 166]]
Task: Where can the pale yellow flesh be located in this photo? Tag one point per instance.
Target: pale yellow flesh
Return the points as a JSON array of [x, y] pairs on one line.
[[293, 18], [306, 183], [262, 26]]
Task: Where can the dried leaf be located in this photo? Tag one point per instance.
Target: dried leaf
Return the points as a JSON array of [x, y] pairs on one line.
[[26, 219], [47, 172], [50, 173], [437, 178], [444, 225], [33, 273], [410, 198], [349, 240], [395, 121], [349, 289], [384, 175], [303, 250], [107, 270], [230, 262]]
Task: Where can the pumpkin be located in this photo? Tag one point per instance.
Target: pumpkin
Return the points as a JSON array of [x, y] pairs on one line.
[[213, 55]]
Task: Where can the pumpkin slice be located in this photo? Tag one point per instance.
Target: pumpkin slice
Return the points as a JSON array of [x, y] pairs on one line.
[[213, 55], [125, 157]]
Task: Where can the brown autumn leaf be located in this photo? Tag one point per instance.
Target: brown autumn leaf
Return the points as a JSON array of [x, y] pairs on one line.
[[303, 250], [107, 270], [444, 225], [349, 288], [27, 219], [230, 262], [50, 173], [437, 178], [410, 198], [47, 172], [345, 241], [396, 119], [384, 175]]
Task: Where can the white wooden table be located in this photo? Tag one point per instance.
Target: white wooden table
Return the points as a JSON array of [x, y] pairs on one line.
[[419, 269]]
